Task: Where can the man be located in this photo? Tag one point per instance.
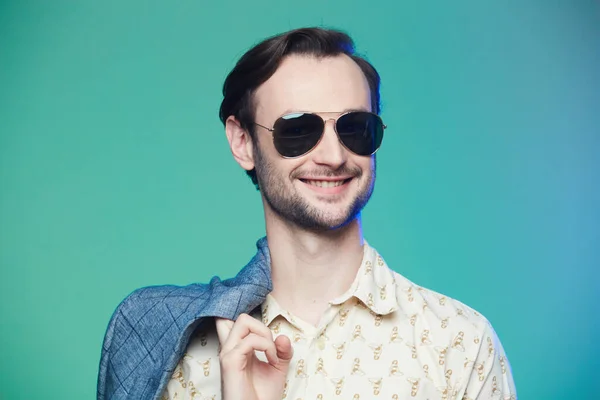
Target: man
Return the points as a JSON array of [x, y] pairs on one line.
[[317, 313]]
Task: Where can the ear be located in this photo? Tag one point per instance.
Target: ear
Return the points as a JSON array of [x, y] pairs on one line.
[[240, 143]]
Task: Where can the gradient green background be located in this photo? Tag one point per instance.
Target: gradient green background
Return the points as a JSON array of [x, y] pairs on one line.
[[115, 172]]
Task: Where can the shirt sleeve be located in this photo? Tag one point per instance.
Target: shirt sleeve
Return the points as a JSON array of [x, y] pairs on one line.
[[491, 376]]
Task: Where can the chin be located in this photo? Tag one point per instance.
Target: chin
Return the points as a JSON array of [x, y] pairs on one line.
[[338, 221]]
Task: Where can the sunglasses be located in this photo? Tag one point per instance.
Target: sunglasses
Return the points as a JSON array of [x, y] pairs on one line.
[[296, 134]]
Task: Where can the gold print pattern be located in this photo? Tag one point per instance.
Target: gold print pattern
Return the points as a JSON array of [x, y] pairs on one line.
[[394, 371], [442, 354], [414, 390], [368, 267], [265, 312], [285, 388], [395, 397], [320, 368], [380, 261], [409, 293], [444, 323], [378, 318], [356, 396], [444, 391], [382, 293], [276, 328], [468, 362], [356, 370], [447, 391], [193, 391], [480, 367], [394, 338], [339, 385], [413, 319], [476, 340], [339, 350], [426, 370], [460, 312], [503, 364], [319, 396], [370, 301], [300, 371], [425, 337], [298, 337], [495, 390], [178, 376], [206, 367], [343, 316], [203, 340], [413, 350], [443, 301], [377, 348], [357, 334], [458, 341], [490, 347], [448, 375], [376, 385]]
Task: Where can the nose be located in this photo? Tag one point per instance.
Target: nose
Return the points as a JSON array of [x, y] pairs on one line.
[[330, 151]]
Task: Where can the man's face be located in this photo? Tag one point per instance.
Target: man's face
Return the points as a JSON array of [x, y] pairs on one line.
[[294, 189]]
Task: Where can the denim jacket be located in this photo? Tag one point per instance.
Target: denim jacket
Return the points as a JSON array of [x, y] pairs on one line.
[[149, 331]]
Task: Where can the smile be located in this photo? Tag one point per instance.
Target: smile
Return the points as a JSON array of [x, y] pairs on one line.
[[328, 187], [326, 184]]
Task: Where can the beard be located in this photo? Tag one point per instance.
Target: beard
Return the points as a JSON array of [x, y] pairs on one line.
[[291, 206]]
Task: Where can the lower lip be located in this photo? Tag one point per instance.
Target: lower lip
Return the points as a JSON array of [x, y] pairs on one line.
[[328, 190]]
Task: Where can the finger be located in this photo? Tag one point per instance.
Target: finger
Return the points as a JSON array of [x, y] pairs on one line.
[[251, 343], [243, 326], [224, 327], [284, 348]]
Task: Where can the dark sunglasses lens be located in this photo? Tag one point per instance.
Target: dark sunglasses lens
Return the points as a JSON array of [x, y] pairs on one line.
[[296, 134], [361, 132]]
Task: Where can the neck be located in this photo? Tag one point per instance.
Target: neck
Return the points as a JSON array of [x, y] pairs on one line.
[[309, 269]]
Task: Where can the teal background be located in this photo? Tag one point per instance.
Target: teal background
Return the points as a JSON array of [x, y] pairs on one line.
[[115, 172]]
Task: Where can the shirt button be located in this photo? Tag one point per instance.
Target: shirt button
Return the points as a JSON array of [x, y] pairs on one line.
[[321, 343]]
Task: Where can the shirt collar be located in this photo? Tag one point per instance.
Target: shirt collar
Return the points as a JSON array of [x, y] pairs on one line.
[[374, 285]]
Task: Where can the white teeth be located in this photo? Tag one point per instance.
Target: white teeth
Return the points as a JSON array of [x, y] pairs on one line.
[[325, 184]]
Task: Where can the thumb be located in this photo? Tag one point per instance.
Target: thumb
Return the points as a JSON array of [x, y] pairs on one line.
[[285, 352], [224, 327]]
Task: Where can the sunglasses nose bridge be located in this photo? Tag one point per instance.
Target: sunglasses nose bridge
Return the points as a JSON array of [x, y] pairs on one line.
[[333, 125], [330, 150]]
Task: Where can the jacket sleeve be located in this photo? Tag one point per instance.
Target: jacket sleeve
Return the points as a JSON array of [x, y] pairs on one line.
[[106, 379]]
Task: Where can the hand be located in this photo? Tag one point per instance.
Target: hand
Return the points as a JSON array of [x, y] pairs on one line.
[[243, 375]]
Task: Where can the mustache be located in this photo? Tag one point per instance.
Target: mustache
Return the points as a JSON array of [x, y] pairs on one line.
[[329, 173]]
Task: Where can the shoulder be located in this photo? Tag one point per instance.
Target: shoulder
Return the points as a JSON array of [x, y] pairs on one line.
[[164, 305], [147, 324], [144, 300], [437, 308], [149, 304]]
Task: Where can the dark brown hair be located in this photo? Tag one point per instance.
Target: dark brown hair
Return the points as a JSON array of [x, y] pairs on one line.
[[259, 63]]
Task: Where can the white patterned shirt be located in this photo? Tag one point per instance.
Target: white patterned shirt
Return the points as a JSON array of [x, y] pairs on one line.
[[385, 338]]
